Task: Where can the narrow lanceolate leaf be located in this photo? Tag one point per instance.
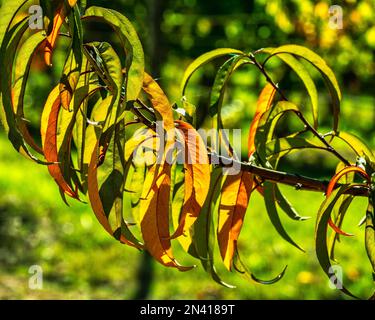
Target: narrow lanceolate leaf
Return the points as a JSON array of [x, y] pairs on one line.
[[321, 235], [7, 53], [277, 148], [7, 13], [221, 82], [131, 44], [264, 103], [235, 196], [107, 64], [51, 40], [160, 104], [304, 75], [370, 231], [106, 197], [49, 128], [164, 116], [154, 216], [21, 73], [323, 68], [65, 128], [266, 127], [73, 64], [203, 231], [93, 134], [240, 267], [197, 177], [356, 144], [332, 185], [286, 206], [203, 60], [270, 202]]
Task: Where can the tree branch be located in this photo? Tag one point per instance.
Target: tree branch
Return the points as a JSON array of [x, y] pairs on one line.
[[297, 181]]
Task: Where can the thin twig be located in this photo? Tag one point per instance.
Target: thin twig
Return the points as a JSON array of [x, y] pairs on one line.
[[299, 114]]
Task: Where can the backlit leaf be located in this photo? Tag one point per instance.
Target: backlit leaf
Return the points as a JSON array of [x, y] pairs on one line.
[[197, 177], [235, 196], [264, 103], [204, 59], [323, 68]]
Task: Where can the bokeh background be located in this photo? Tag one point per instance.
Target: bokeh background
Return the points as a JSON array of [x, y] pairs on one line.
[[80, 261]]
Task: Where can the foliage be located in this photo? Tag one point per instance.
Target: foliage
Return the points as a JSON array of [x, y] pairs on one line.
[[90, 140]]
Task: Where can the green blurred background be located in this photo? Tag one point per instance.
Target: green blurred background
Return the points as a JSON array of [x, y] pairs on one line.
[[80, 261]]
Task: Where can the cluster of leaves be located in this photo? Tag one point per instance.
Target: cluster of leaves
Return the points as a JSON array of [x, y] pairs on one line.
[[90, 140]]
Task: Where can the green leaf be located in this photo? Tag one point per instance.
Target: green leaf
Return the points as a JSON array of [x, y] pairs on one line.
[[340, 209], [370, 230], [203, 60], [7, 53], [267, 124], [279, 147], [221, 81], [131, 44], [243, 269], [21, 73], [286, 206], [304, 75], [323, 68], [203, 231], [7, 13], [356, 144], [321, 234], [73, 64], [270, 202]]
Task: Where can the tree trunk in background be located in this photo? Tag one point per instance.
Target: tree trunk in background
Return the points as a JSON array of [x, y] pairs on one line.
[[156, 54]]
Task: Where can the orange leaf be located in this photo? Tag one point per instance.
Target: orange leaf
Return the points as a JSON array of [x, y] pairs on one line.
[[264, 103], [154, 216], [197, 177], [51, 39], [154, 204], [160, 103], [235, 196], [164, 113], [51, 152], [331, 187]]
